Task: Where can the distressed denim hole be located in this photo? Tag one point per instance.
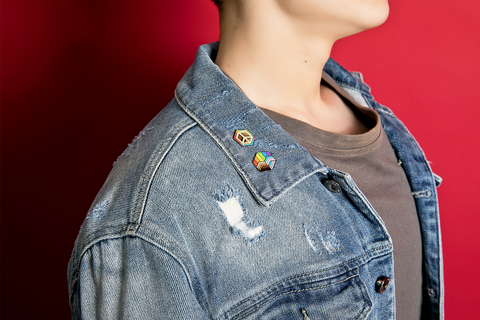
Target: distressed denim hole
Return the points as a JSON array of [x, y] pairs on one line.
[[228, 200]]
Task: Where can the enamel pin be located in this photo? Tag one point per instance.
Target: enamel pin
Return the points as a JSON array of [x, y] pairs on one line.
[[244, 137], [264, 161]]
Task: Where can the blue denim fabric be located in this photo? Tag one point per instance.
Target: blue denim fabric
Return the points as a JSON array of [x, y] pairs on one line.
[[186, 227]]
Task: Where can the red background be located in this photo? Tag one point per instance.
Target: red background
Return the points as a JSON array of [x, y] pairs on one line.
[[79, 79]]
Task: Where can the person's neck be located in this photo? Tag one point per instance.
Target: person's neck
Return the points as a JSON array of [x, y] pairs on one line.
[[271, 64], [280, 68]]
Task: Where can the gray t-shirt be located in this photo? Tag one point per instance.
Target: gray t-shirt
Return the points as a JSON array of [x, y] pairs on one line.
[[373, 165]]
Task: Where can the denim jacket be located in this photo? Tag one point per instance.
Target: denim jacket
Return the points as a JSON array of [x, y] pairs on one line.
[[187, 227]]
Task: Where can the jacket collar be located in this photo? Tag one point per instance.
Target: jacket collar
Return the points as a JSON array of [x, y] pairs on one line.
[[220, 108]]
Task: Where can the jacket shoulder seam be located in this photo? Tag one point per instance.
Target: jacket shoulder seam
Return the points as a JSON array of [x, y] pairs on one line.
[[153, 164]]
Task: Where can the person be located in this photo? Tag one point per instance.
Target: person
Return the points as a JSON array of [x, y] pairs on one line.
[[273, 186]]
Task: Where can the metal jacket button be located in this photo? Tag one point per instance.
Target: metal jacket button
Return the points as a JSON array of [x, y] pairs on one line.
[[381, 284], [332, 186]]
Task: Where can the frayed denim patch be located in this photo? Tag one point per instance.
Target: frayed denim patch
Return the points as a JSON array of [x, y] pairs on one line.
[[99, 210], [133, 145], [422, 194], [236, 120], [265, 144], [101, 207], [228, 200], [318, 239]]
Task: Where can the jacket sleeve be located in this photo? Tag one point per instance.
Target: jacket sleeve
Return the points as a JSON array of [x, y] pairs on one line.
[[130, 278]]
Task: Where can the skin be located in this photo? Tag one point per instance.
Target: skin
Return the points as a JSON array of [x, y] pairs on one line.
[[275, 51]]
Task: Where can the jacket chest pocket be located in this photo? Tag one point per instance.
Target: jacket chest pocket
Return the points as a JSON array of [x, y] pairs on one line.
[[343, 297]]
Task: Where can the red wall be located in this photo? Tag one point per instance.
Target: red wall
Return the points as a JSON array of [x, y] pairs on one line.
[[79, 79]]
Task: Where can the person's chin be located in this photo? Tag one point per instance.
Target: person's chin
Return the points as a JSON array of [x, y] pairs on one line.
[[373, 20], [381, 14]]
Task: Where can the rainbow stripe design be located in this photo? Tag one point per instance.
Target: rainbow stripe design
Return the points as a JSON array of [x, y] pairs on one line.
[[244, 137], [264, 161]]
